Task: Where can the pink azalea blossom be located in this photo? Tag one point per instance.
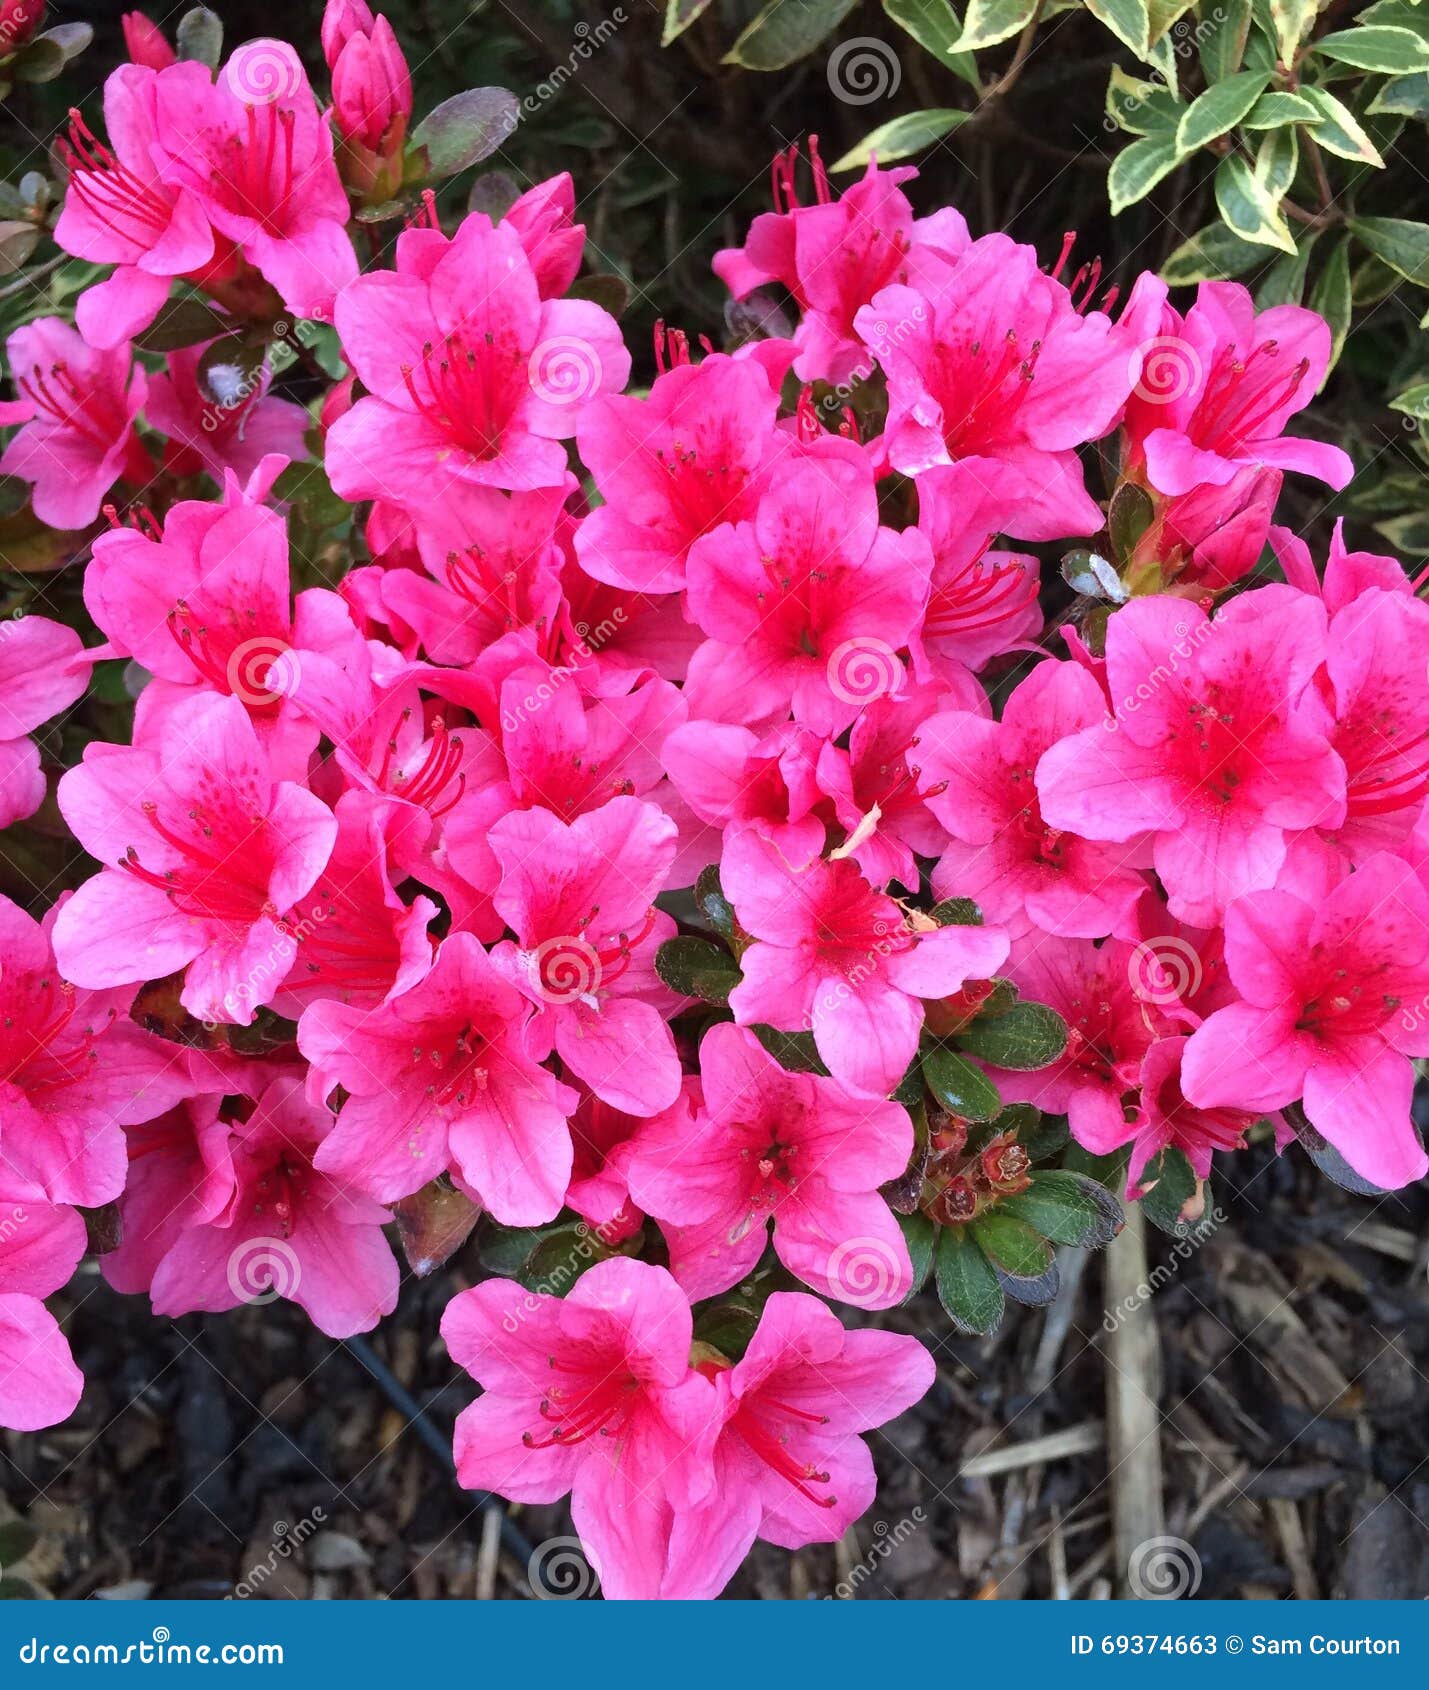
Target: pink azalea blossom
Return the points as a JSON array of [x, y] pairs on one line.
[[1333, 992], [1216, 746], [119, 208], [806, 605], [77, 407], [593, 1395], [991, 361], [204, 855], [767, 1147], [471, 376], [979, 776], [790, 1455], [1347, 573], [40, 1247], [285, 1228], [1210, 537], [835, 957], [371, 85], [674, 466], [733, 779], [218, 437], [255, 153], [440, 1077], [580, 898], [1218, 387], [1167, 1121], [43, 670], [544, 218], [74, 1071]]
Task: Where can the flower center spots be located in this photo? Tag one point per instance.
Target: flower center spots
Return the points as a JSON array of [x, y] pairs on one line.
[[42, 1052], [278, 1194], [468, 386], [453, 1069], [226, 885], [980, 388], [254, 175]]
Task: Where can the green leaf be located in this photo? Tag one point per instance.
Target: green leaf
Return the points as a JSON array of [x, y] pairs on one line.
[[712, 903], [1212, 255], [934, 25], [1291, 19], [785, 31], [17, 1539], [1169, 1183], [901, 136], [956, 912], [1247, 208], [1137, 169], [1284, 282], [560, 1259], [183, 322], [1276, 159], [463, 130], [1402, 245], [921, 1236], [1027, 1036], [1067, 1208], [1339, 131], [697, 969], [1219, 109], [1403, 96], [967, 1286], [1128, 20], [1277, 107], [1140, 107], [38, 61], [199, 37], [795, 1051], [1397, 52], [1331, 298], [1223, 46], [986, 22], [726, 1327], [679, 15], [1129, 515], [1012, 1245], [960, 1086], [1414, 401]]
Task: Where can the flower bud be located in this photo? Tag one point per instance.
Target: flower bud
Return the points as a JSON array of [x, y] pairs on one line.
[[19, 19], [145, 43]]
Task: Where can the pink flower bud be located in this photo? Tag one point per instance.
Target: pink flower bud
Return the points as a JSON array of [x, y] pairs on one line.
[[19, 19], [145, 43], [372, 89], [342, 19]]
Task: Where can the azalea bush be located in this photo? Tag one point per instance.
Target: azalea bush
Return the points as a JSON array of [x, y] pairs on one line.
[[706, 858]]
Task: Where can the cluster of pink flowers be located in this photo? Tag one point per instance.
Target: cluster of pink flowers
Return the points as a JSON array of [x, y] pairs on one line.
[[431, 826]]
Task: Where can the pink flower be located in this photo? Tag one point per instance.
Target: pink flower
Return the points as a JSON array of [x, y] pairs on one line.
[[1347, 574], [74, 1071], [285, 1228], [807, 604], [1110, 1028], [834, 956], [204, 855], [471, 375], [145, 43], [544, 218], [1218, 388], [1216, 746], [371, 85], [357, 942], [43, 670], [991, 360], [835, 255], [255, 153], [1211, 537], [78, 407], [979, 779], [580, 898], [981, 603], [441, 1077], [40, 1247], [674, 466], [1333, 991], [768, 1147], [599, 1192], [235, 436], [1167, 1121], [593, 1394], [790, 1456], [120, 209], [734, 779]]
